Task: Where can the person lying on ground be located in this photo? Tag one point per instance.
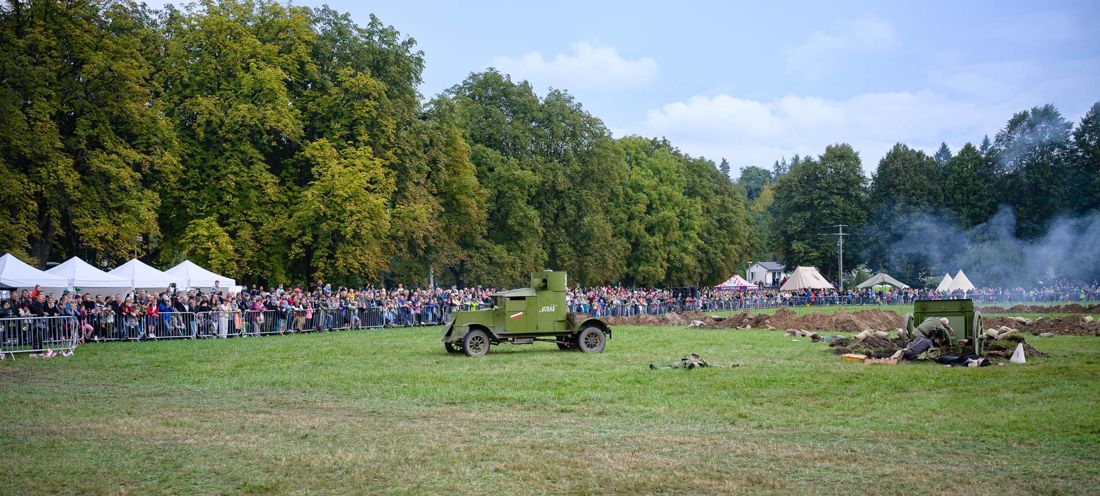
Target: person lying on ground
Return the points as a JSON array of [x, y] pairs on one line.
[[925, 337]]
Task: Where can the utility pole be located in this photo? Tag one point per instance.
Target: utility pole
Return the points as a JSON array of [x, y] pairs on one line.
[[840, 234]]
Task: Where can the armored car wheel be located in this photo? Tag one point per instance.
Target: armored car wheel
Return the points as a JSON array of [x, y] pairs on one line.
[[452, 348], [475, 343], [591, 340]]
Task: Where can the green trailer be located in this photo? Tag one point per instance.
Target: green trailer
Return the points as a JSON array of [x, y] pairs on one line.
[[524, 316], [963, 318]]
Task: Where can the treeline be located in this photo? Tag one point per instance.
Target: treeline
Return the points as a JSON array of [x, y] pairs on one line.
[[1002, 195], [281, 144]]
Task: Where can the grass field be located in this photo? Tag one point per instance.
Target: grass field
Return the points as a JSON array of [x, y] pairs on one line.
[[389, 411]]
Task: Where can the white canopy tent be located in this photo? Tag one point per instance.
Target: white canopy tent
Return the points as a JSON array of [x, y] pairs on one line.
[[961, 283], [81, 274], [882, 279], [141, 276], [736, 282], [805, 278], [945, 284], [17, 274], [196, 277]]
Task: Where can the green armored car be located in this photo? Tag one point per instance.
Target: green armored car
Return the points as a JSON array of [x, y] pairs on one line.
[[523, 316]]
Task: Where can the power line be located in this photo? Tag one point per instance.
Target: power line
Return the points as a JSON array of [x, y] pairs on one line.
[[840, 234]]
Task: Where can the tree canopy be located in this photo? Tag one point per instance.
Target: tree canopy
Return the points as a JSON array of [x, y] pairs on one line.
[[280, 143]]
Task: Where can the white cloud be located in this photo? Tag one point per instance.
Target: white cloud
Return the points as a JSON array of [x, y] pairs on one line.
[[826, 52], [960, 102], [758, 132], [586, 67]]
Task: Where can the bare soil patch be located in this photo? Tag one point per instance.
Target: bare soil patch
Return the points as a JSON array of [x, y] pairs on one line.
[[1070, 308]]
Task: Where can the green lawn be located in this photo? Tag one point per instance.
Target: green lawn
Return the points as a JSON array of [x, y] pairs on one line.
[[389, 411]]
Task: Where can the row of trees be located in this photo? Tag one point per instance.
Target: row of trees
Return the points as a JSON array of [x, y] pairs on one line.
[[280, 143], [906, 218]]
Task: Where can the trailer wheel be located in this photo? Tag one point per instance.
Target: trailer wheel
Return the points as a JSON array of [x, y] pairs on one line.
[[475, 343], [453, 347], [591, 340]]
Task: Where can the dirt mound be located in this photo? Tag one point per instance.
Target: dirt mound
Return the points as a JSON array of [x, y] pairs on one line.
[[854, 322], [1070, 325], [666, 319], [875, 347], [1070, 308], [743, 320], [1003, 348], [863, 320]]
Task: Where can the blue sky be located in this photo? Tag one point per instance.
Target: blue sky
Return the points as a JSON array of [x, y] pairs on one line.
[[754, 81]]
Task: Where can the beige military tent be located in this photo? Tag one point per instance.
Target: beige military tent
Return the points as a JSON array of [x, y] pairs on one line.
[[805, 278], [882, 278], [945, 284], [961, 283]]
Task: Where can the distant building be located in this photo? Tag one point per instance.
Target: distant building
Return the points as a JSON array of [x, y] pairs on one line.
[[766, 273]]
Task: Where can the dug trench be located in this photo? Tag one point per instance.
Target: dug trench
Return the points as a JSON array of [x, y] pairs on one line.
[[878, 347], [1069, 308], [858, 321], [875, 327]]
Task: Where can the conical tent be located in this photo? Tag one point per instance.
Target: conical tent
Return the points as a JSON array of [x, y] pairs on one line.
[[882, 278], [198, 277], [80, 274], [736, 282], [17, 274], [961, 283], [945, 284], [139, 275], [805, 278]]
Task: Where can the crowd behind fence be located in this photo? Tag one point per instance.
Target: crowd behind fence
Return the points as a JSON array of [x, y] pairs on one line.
[[36, 321], [618, 302]]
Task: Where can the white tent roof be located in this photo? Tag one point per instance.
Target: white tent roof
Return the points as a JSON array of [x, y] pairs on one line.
[[945, 284], [882, 278], [961, 283], [198, 277], [805, 278], [81, 274], [139, 275], [15, 273]]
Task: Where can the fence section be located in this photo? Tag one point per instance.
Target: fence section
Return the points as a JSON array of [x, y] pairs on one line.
[[38, 334]]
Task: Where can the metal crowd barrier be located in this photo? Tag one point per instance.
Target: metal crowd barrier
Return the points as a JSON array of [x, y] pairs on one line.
[[38, 334]]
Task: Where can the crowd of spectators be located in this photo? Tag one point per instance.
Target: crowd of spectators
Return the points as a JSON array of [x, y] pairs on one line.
[[214, 312]]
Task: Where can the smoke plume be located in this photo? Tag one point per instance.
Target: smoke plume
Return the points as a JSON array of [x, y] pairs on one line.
[[991, 254]]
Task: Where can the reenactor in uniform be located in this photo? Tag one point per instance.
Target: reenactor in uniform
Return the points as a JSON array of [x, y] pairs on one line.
[[925, 337]]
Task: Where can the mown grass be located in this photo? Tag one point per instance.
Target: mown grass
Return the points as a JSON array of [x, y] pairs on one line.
[[389, 411]]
